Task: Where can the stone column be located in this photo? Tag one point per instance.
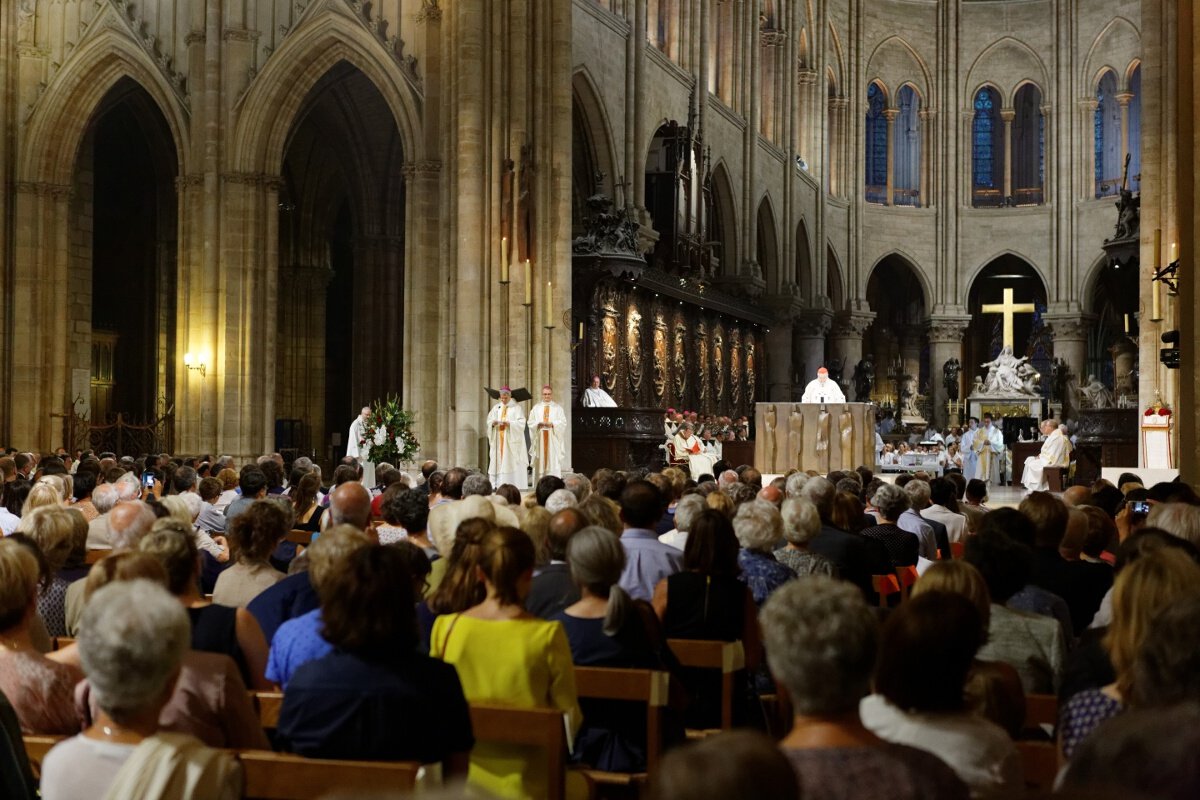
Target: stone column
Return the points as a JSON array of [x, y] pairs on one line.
[[924, 196], [1087, 110], [1007, 115], [778, 349], [808, 354], [890, 115], [1070, 345], [1048, 170], [1123, 99], [945, 342], [846, 343]]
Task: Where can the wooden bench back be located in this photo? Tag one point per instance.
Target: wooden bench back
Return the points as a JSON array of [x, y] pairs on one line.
[[543, 728], [267, 704], [728, 657], [651, 687], [281, 776]]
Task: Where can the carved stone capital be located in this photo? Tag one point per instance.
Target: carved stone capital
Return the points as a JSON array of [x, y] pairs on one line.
[[806, 75], [813, 323], [786, 306], [1008, 114], [1069, 327], [41, 189], [773, 38], [948, 330], [430, 12], [838, 103], [851, 324], [890, 114]]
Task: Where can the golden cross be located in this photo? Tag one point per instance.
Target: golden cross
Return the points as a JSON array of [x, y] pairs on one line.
[[1009, 309]]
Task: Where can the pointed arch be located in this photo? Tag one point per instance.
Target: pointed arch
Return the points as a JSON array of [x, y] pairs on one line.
[[1005, 56], [835, 280], [896, 61], [897, 255], [724, 227], [62, 115], [599, 127], [803, 268], [838, 60], [977, 268], [1115, 44], [268, 109], [767, 242]]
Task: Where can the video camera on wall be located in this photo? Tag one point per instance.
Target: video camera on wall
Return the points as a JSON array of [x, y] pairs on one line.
[[1169, 356]]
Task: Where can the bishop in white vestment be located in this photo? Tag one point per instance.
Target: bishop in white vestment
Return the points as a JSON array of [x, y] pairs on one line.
[[822, 390], [508, 460], [1056, 452], [595, 397], [549, 424], [687, 445]]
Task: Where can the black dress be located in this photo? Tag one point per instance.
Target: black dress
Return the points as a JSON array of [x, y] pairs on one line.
[[214, 630]]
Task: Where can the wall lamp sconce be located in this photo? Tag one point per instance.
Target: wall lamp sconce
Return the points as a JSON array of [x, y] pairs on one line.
[[194, 362]]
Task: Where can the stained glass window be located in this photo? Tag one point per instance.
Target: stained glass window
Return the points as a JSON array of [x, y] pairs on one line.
[[983, 138], [1098, 122], [876, 156]]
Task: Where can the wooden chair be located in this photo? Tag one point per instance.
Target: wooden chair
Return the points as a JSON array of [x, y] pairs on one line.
[[673, 458], [728, 657], [36, 748], [907, 576], [267, 704], [529, 727], [639, 685], [1039, 762], [95, 556], [1041, 709], [281, 776], [1055, 478], [302, 538], [885, 586]]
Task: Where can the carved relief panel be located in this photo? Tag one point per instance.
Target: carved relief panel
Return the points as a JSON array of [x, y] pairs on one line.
[[718, 367], [679, 366], [702, 354], [608, 339], [633, 346], [735, 370], [660, 355]]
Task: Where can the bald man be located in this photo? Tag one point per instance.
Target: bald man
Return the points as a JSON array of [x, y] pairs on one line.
[[1076, 495], [350, 504]]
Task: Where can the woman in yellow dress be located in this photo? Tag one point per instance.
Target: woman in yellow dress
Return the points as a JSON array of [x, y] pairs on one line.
[[505, 655]]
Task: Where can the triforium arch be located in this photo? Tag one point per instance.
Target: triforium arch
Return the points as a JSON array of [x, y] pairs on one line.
[[723, 216], [593, 155], [898, 294], [47, 375], [767, 244]]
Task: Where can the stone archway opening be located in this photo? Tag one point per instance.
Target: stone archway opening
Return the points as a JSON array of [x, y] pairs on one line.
[[1112, 351], [341, 264], [1031, 335], [122, 261], [897, 334]]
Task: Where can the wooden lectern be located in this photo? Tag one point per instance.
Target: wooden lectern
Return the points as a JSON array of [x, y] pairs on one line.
[[816, 436]]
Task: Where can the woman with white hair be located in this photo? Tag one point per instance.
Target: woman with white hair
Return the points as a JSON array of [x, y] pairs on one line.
[[903, 548], [759, 527], [132, 642], [608, 628], [801, 523], [822, 642]]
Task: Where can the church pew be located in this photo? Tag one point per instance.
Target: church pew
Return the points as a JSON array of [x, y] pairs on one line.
[[281, 776], [885, 586], [1041, 709], [542, 728], [95, 556], [639, 685], [302, 538], [728, 657]]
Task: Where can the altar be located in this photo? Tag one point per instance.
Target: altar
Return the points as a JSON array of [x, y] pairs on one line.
[[816, 436], [999, 407]]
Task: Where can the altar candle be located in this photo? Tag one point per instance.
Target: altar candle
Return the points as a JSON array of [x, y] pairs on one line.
[[504, 259], [581, 331], [549, 304], [1126, 323], [528, 283], [1155, 300]]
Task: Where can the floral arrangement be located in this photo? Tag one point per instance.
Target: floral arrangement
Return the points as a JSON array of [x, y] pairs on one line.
[[388, 434]]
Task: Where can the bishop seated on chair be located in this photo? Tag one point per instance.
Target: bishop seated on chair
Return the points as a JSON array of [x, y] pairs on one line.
[[1056, 452]]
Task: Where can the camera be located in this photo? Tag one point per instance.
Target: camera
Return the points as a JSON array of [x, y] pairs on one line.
[[148, 480], [1139, 508]]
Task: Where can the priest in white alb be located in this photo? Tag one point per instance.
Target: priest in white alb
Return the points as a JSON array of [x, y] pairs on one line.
[[988, 446], [688, 446], [1056, 452], [595, 397], [508, 460], [823, 390], [549, 424], [358, 447]]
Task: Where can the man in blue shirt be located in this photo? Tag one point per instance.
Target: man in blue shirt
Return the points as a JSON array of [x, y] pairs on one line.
[[647, 560]]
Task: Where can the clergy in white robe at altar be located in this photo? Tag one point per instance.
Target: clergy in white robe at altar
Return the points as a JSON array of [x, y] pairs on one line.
[[988, 446], [595, 397], [970, 459], [508, 460], [822, 390], [549, 424], [1056, 452], [687, 445], [358, 447]]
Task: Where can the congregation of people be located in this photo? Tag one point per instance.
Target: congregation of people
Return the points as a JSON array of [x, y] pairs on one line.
[[141, 602]]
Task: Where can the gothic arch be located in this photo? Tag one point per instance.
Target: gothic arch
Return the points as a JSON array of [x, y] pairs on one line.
[[834, 280], [1117, 42], [1011, 100], [894, 60], [768, 243], [913, 266], [983, 263], [837, 58], [63, 114], [599, 128], [726, 228], [269, 108], [1129, 71], [803, 268], [1005, 56], [1091, 277]]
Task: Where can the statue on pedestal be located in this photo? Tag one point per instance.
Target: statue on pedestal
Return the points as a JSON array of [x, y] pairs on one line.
[[1095, 394], [864, 377], [1009, 376], [950, 372]]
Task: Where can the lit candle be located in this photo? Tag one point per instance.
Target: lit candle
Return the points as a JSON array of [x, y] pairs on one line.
[[504, 259], [549, 304], [1155, 299], [528, 283], [1126, 323], [581, 331]]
